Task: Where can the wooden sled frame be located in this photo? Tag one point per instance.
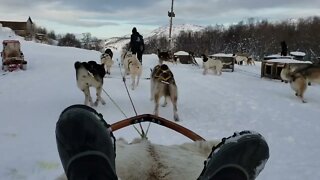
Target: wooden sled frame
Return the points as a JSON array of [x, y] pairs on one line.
[[157, 120]]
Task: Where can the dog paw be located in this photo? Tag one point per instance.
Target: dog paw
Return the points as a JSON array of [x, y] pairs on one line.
[[176, 118]]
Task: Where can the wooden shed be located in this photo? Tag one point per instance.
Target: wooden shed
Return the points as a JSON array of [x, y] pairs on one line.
[[272, 65], [184, 57], [225, 58], [25, 29]]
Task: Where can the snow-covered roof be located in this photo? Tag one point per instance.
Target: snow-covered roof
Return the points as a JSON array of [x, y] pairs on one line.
[[181, 53], [221, 55], [278, 56], [297, 53], [288, 61]]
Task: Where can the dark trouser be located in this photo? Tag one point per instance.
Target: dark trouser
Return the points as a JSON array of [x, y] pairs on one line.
[[139, 55], [85, 145]]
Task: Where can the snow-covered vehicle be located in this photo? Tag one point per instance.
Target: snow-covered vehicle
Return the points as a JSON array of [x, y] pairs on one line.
[[12, 56]]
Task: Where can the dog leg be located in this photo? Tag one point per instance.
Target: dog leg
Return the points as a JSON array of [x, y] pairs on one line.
[[174, 100], [87, 96], [156, 101], [99, 98], [165, 102], [205, 71], [299, 85], [175, 110], [133, 82], [151, 89], [138, 79]]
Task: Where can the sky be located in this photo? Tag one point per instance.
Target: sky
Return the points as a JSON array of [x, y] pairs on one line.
[[104, 19], [209, 105]]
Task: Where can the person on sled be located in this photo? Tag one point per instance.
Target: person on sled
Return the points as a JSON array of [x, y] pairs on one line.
[[86, 147]]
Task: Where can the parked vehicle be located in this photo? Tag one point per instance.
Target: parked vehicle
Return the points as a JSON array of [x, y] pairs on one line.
[[12, 56]]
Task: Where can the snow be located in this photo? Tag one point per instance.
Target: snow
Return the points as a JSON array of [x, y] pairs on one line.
[[288, 61], [221, 55], [212, 106], [181, 53], [297, 53]]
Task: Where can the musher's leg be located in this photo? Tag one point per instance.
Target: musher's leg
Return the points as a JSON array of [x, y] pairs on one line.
[[86, 146], [238, 157]]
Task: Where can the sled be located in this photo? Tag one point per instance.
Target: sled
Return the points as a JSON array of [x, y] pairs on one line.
[[157, 120], [12, 56]]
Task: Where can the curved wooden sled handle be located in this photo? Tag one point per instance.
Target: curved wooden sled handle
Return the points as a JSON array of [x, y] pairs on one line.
[[157, 120]]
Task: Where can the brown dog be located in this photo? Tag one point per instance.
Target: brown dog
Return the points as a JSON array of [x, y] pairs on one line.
[[299, 78], [164, 85], [166, 56]]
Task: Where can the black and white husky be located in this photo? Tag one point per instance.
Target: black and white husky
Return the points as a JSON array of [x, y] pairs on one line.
[[90, 74]]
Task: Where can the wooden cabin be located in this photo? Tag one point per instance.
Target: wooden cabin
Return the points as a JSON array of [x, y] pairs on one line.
[[225, 58], [25, 29]]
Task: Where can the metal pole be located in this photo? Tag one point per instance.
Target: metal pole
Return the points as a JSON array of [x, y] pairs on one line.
[[170, 28]]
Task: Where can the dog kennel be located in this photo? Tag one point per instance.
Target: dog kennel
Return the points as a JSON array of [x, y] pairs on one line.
[[272, 65], [184, 57]]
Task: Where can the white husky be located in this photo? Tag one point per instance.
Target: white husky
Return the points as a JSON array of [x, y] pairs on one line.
[[143, 160], [107, 61], [132, 67]]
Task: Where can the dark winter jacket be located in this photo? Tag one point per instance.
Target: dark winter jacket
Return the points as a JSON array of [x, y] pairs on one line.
[[136, 41]]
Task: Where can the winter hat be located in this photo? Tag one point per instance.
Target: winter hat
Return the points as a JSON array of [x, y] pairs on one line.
[[134, 30]]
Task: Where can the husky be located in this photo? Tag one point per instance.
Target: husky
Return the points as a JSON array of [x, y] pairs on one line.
[[90, 74], [172, 162], [250, 61], [132, 67], [164, 85], [300, 77], [240, 59], [165, 56], [211, 63], [106, 60]]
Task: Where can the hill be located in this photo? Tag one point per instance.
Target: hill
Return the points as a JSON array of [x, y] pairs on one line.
[[118, 42]]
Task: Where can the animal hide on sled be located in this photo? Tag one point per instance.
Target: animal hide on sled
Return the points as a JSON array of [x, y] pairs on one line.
[[143, 160]]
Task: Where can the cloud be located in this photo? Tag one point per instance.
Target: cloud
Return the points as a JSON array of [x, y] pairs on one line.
[[112, 14]]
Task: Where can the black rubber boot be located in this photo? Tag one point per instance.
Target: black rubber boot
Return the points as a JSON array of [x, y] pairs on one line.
[[86, 145], [238, 157]]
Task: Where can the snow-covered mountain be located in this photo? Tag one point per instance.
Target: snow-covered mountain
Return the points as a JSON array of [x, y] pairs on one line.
[[119, 42], [176, 29]]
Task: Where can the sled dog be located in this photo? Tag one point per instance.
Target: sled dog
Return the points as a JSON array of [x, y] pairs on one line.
[[90, 74], [250, 61], [240, 59], [132, 67], [164, 85], [300, 77], [107, 61], [211, 63], [166, 56], [171, 162]]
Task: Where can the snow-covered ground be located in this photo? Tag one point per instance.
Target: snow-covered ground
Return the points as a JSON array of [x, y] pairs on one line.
[[212, 106]]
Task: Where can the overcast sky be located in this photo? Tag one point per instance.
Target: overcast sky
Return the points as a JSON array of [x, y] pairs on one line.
[[106, 18]]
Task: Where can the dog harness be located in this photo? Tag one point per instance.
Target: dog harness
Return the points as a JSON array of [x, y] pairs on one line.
[[163, 75]]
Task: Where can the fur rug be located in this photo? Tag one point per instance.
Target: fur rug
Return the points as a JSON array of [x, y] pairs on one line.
[[143, 160]]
